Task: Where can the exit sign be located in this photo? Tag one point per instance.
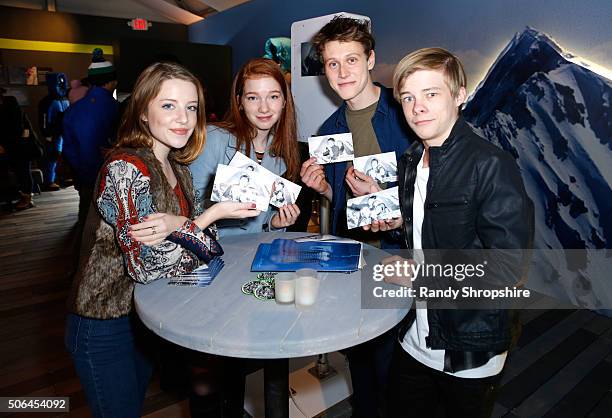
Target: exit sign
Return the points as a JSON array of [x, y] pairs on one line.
[[139, 24]]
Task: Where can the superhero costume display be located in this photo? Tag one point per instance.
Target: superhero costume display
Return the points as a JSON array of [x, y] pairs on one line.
[[51, 110]]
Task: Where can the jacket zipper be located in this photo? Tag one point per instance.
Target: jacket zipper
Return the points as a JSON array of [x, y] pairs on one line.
[[408, 180]]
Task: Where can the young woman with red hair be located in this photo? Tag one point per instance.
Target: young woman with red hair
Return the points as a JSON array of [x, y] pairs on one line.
[[260, 124]]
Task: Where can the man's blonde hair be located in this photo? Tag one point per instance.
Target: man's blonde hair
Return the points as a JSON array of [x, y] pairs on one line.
[[430, 59]]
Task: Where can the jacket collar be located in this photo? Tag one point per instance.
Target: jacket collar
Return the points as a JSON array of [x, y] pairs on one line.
[[386, 97], [459, 131], [232, 143]]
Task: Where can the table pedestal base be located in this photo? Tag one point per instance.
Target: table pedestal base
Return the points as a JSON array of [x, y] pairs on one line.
[[322, 369], [276, 388]]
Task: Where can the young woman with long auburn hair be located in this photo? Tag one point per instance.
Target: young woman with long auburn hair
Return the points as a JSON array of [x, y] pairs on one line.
[[261, 124]]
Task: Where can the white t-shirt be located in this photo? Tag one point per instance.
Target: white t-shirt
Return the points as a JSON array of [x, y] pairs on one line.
[[414, 340]]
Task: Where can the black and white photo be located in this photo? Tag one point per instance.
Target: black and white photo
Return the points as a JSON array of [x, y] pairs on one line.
[[239, 160], [284, 192], [264, 176], [364, 210], [240, 185], [331, 148], [381, 167]]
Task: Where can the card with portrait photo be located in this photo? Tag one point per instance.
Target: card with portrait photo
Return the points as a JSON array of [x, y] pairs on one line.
[[364, 210], [381, 167], [264, 176], [284, 192], [241, 185], [331, 148]]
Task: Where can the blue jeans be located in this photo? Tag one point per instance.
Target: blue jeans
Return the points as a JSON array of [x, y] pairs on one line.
[[113, 372], [53, 150]]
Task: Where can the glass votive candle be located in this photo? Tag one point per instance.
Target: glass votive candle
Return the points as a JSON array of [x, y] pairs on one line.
[[306, 287], [284, 287]]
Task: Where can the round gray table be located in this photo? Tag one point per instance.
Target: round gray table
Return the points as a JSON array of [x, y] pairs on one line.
[[220, 319]]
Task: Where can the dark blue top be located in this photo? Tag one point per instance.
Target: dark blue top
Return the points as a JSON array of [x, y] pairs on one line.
[[391, 130], [90, 127]]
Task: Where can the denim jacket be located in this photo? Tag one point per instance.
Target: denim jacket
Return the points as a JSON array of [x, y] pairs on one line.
[[220, 148], [391, 130]]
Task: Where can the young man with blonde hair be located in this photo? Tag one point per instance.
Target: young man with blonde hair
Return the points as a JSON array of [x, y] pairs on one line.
[[457, 191]]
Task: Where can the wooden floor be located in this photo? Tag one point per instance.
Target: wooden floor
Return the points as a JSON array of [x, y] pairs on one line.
[[562, 367], [35, 261]]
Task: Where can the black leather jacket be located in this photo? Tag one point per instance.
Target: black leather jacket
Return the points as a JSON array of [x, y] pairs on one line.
[[475, 200]]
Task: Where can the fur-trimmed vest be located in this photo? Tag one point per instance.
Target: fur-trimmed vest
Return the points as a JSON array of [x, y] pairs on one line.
[[102, 288]]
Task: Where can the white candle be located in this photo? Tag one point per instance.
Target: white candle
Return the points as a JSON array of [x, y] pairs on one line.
[[306, 287], [284, 287]]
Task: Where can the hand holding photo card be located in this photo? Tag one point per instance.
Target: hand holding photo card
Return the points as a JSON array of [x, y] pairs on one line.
[[240, 185], [331, 148], [364, 210], [381, 167], [284, 192]]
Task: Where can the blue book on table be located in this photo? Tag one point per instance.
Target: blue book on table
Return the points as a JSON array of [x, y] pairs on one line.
[[288, 255]]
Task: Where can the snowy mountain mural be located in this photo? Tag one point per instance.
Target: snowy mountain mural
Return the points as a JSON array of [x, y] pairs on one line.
[[552, 112]]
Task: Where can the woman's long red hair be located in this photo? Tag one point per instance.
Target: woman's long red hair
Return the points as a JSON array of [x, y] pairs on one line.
[[284, 143]]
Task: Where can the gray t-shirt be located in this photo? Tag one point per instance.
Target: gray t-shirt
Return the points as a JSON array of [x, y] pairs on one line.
[[364, 143]]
